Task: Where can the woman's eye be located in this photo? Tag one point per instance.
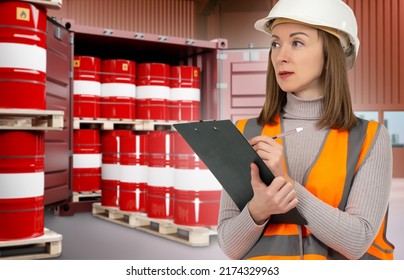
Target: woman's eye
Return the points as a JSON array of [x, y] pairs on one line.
[[274, 45], [297, 43]]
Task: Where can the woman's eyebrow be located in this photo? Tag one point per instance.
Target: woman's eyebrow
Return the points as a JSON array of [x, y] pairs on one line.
[[291, 35], [298, 33]]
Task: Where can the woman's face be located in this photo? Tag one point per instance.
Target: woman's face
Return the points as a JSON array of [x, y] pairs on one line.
[[298, 60]]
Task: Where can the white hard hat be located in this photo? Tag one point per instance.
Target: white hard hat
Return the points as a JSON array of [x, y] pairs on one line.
[[333, 14]]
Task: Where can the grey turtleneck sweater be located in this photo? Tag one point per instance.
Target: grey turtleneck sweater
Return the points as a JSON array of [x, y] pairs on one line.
[[349, 232]]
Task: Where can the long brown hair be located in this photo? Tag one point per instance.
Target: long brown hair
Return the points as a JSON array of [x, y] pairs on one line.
[[337, 106]]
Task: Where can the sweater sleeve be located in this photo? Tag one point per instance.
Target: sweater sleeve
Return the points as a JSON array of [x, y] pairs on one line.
[[237, 231], [352, 231]]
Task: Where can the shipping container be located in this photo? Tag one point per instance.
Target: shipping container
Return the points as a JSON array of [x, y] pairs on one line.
[[66, 40]]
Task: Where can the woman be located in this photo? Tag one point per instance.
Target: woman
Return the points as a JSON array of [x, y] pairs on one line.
[[337, 172]]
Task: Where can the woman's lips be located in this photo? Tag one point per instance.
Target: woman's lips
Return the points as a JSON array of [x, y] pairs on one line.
[[285, 74]]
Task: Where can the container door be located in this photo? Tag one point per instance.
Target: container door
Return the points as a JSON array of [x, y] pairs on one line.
[[242, 83], [58, 143]]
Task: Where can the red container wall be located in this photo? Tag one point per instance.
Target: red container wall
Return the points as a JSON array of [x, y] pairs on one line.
[[58, 86], [168, 17]]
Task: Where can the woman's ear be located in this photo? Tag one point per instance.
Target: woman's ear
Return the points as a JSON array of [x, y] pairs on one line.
[[350, 56]]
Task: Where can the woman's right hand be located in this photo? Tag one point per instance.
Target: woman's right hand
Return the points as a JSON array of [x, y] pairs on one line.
[[277, 198]]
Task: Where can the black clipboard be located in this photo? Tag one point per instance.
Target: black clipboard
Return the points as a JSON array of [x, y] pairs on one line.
[[227, 154]]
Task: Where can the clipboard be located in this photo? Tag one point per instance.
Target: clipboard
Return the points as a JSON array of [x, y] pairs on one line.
[[228, 155]]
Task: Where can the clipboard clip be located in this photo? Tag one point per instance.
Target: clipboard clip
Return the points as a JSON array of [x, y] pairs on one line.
[[201, 121]]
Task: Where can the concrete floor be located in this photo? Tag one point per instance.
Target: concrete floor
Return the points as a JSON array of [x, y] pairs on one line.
[[89, 238]]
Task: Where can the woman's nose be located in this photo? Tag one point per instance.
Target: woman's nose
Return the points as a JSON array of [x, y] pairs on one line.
[[282, 55]]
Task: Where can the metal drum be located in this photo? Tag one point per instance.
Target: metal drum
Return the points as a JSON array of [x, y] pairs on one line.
[[87, 87], [118, 89], [22, 55], [21, 184], [185, 93], [196, 191], [110, 168], [160, 175], [133, 176], [86, 160], [152, 91]]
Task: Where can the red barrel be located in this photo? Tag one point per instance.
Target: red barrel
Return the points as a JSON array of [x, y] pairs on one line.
[[23, 55], [21, 184], [110, 168], [153, 91], [185, 93], [197, 192], [86, 160], [133, 176], [160, 175], [87, 87], [118, 89]]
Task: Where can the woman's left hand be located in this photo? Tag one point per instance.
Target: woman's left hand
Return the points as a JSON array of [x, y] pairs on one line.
[[271, 152]]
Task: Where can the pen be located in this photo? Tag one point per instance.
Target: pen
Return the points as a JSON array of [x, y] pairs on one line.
[[296, 130]]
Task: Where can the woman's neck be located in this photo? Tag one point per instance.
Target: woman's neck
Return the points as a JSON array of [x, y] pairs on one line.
[[298, 108]]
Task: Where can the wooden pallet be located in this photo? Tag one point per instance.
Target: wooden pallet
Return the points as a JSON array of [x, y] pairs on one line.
[[113, 214], [105, 124], [50, 4], [47, 246], [149, 125], [192, 236], [30, 119], [110, 124], [85, 196]]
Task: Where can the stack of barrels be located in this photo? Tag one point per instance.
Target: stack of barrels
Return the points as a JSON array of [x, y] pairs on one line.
[[122, 89], [22, 86], [155, 172]]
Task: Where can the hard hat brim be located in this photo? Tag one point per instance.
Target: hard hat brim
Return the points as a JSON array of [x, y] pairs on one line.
[[262, 25]]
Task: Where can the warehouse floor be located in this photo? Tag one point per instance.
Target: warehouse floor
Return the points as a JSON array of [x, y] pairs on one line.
[[88, 237]]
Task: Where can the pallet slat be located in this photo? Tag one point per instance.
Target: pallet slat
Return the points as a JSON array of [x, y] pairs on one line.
[[51, 4], [110, 124], [85, 196], [27, 119], [47, 246], [105, 124], [192, 236]]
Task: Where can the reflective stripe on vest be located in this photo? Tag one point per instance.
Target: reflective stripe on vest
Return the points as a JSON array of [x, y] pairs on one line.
[[342, 152]]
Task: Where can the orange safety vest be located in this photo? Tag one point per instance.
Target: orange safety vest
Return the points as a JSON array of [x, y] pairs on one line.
[[342, 152]]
